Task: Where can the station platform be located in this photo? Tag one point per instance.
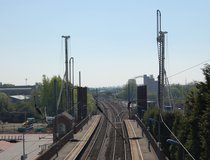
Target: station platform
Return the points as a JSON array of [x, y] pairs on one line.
[[142, 150], [72, 148]]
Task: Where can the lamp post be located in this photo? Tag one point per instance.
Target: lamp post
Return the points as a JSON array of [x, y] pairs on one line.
[[154, 120], [24, 156], [174, 142], [159, 143]]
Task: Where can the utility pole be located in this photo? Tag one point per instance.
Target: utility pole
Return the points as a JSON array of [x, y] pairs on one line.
[[66, 62], [24, 156]]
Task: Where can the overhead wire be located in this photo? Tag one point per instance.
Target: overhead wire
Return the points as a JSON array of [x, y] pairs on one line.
[[176, 137], [170, 96], [161, 118], [189, 68]]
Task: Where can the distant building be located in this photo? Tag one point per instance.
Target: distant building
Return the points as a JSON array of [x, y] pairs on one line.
[[151, 83], [17, 93], [0, 83], [18, 98], [17, 90]]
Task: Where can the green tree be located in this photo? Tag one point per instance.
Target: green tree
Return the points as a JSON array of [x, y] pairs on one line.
[[129, 91], [4, 102], [47, 95], [90, 102], [25, 107], [180, 129], [204, 105], [198, 118], [191, 127]]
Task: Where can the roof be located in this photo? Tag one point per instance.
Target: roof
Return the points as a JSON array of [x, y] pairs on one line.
[[20, 97], [67, 115]]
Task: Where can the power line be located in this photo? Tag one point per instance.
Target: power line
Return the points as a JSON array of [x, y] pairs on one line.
[[176, 137], [170, 96], [189, 68]]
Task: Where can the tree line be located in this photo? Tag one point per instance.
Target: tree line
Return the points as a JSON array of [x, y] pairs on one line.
[[192, 127], [42, 97]]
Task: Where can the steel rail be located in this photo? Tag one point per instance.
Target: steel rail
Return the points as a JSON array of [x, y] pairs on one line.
[[106, 133], [118, 120], [90, 151], [94, 142]]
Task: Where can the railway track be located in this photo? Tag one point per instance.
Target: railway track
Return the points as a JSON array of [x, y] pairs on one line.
[[121, 144], [112, 137], [119, 141], [92, 151], [109, 141]]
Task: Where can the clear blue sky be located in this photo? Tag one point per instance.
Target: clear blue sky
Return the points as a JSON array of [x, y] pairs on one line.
[[111, 40]]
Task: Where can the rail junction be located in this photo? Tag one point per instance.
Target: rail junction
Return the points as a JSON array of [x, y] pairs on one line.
[[108, 135]]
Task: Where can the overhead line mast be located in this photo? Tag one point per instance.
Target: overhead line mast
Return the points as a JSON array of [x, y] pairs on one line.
[[66, 72], [161, 57], [161, 76]]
